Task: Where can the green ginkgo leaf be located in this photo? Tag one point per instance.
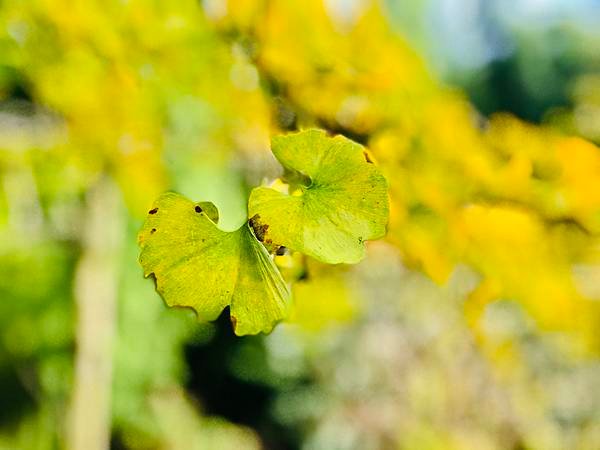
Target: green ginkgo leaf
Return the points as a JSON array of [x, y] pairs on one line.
[[197, 265], [338, 198]]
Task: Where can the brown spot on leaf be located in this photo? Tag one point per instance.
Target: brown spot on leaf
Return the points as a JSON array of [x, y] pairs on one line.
[[153, 211], [260, 229], [153, 230], [233, 321], [367, 157], [281, 251], [197, 209]]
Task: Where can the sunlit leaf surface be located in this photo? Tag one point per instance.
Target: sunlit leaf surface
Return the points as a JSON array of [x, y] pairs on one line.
[[197, 265], [340, 202]]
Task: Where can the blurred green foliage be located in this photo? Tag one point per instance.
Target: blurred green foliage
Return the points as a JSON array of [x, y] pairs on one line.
[[473, 325]]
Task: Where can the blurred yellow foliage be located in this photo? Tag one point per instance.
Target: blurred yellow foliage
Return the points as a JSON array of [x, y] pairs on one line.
[[170, 95], [503, 196]]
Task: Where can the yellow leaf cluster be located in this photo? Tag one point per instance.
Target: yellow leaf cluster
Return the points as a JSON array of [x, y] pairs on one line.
[[519, 203]]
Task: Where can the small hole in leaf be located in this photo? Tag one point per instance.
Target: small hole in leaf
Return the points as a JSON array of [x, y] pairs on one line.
[[303, 275], [198, 209], [153, 211]]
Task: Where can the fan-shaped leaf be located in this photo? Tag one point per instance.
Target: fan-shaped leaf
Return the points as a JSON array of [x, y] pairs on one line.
[[198, 265], [340, 202]]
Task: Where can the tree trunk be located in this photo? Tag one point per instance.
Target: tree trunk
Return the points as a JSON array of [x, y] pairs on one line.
[[96, 290]]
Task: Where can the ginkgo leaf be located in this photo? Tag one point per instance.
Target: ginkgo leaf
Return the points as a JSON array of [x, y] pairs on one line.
[[342, 203], [198, 265]]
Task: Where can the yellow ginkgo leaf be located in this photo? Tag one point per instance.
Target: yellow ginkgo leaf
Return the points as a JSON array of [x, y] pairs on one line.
[[197, 265], [341, 200]]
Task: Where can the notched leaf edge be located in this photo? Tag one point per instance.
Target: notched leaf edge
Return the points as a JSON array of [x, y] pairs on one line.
[[210, 210]]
